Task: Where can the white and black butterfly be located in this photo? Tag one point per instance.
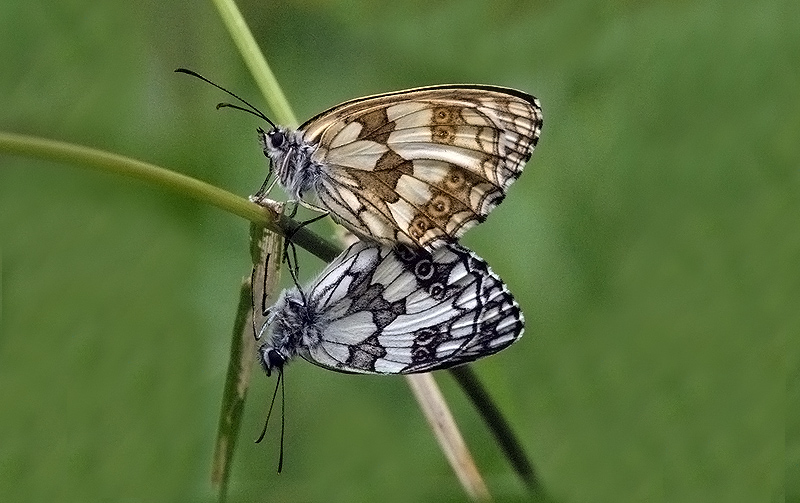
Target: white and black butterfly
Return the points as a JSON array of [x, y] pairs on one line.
[[418, 167], [382, 310]]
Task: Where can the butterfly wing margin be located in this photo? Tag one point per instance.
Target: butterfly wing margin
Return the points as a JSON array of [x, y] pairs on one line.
[[422, 166], [483, 319], [413, 312]]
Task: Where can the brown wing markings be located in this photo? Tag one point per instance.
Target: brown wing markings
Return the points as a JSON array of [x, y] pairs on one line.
[[382, 191], [325, 189], [377, 205], [448, 110], [447, 114], [392, 166], [520, 145], [449, 197], [380, 184], [504, 113], [369, 204], [470, 137], [453, 102], [512, 123], [457, 186], [447, 125], [376, 125], [494, 161], [444, 134], [362, 229], [465, 95]]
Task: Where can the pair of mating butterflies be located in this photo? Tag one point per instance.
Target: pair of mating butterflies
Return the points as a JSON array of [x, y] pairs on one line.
[[408, 172]]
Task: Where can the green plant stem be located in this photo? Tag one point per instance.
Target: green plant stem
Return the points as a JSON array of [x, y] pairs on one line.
[[42, 148], [266, 249], [237, 383], [497, 423], [108, 162], [256, 62]]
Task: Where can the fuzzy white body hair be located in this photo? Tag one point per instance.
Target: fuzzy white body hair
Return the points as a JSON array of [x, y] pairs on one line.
[[291, 159]]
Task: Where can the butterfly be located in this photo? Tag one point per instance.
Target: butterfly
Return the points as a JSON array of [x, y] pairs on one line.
[[418, 167], [377, 309]]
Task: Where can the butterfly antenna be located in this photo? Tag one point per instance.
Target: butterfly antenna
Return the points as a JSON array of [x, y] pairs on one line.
[[269, 412], [243, 109], [253, 110], [283, 418]]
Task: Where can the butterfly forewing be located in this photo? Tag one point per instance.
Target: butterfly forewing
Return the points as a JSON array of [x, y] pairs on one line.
[[380, 310], [420, 166]]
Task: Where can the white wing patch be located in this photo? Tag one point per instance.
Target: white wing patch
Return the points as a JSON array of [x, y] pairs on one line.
[[360, 154]]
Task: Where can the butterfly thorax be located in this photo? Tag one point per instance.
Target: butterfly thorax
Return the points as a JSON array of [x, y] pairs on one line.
[[291, 160]]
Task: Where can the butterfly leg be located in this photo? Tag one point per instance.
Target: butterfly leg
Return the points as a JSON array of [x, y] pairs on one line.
[[291, 232], [258, 296], [291, 212], [290, 257], [265, 189], [312, 207]]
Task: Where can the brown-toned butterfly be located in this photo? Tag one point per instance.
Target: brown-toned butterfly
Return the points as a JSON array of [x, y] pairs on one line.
[[418, 167]]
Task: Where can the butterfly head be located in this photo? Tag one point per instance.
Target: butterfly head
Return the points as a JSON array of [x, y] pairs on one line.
[[272, 353], [291, 159], [274, 142], [295, 328], [271, 359]]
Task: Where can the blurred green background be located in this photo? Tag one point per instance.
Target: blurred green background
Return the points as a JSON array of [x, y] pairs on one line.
[[652, 243]]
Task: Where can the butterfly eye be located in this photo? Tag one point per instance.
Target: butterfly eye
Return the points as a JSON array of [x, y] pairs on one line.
[[276, 360], [271, 359], [276, 138]]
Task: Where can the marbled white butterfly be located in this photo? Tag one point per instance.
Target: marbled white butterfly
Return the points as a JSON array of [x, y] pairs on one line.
[[382, 310], [418, 167]]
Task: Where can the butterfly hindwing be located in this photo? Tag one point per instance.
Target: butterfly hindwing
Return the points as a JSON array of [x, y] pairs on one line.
[[383, 310]]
